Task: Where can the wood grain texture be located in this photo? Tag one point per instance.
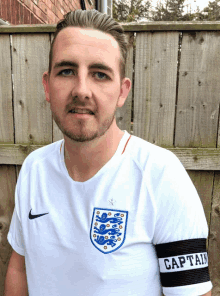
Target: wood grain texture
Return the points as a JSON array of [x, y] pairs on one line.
[[57, 134], [7, 172], [7, 185], [198, 96], [214, 237], [197, 116], [33, 122], [128, 27], [123, 114], [155, 87], [203, 181], [192, 159], [6, 112]]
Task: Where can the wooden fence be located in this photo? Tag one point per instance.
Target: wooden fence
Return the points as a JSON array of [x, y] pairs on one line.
[[174, 103]]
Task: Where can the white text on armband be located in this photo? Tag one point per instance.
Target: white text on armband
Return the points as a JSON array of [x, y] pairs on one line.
[[184, 262]]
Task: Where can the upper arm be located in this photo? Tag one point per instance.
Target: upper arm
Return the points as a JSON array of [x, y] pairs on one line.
[[207, 294], [17, 262]]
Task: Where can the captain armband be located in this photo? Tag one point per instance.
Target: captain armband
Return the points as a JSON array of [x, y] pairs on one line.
[[183, 263]]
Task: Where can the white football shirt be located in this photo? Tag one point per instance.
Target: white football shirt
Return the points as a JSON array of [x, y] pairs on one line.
[[135, 228]]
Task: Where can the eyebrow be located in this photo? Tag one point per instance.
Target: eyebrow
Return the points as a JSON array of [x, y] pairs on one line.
[[100, 66]]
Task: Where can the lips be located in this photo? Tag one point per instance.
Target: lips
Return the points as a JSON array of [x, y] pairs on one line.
[[82, 111]]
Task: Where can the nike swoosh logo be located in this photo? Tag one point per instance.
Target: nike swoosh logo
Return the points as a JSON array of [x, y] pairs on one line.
[[35, 216]]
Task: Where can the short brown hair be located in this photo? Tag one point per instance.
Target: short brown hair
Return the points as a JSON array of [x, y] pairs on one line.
[[98, 21]]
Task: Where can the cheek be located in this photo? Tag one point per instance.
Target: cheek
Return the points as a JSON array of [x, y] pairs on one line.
[[59, 93]]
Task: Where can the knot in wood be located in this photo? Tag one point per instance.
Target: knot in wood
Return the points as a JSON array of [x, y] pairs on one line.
[[23, 148], [31, 138], [195, 158], [201, 40], [217, 210], [3, 227], [212, 236]]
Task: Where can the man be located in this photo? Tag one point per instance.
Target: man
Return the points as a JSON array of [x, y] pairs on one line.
[[102, 212]]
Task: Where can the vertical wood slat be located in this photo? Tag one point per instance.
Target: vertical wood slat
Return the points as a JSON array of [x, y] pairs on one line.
[[123, 114], [203, 181], [198, 112], [199, 88], [6, 112], [57, 134], [7, 172], [214, 233], [214, 238], [33, 122], [7, 185], [155, 86]]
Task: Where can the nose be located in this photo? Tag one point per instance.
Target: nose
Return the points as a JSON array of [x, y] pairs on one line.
[[82, 87]]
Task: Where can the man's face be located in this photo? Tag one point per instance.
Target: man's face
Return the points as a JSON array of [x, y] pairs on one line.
[[73, 85]]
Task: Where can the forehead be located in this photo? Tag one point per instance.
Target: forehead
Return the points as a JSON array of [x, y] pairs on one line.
[[76, 40]]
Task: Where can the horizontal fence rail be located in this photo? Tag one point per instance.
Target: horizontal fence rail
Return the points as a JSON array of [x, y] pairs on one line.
[[191, 158], [128, 27]]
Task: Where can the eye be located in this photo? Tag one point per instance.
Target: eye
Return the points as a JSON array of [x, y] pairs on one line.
[[105, 76], [66, 72]]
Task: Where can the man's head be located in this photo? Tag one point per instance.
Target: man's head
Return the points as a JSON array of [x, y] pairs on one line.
[[95, 20], [85, 76]]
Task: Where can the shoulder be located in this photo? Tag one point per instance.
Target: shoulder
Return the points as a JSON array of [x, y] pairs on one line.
[[44, 152], [148, 155], [44, 155]]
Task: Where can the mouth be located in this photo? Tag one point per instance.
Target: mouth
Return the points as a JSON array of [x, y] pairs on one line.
[[82, 112]]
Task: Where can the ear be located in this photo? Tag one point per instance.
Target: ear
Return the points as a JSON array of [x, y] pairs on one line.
[[125, 89], [45, 81]]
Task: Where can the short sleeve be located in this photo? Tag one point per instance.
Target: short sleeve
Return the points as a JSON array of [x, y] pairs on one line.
[[15, 236], [180, 234]]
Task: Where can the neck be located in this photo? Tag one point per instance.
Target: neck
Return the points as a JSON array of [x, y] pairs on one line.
[[84, 160]]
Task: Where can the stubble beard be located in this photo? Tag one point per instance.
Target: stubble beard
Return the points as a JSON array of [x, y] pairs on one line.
[[85, 135]]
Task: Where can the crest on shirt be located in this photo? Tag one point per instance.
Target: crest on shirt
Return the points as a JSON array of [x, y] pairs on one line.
[[108, 229]]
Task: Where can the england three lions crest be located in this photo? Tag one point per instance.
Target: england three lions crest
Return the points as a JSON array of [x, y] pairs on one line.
[[108, 229]]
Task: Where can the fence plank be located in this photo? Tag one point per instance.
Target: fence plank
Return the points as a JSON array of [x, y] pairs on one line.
[[57, 134], [7, 185], [123, 114], [6, 113], [199, 87], [155, 86], [7, 172], [128, 27], [33, 121], [192, 159], [214, 238], [198, 103], [203, 181]]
